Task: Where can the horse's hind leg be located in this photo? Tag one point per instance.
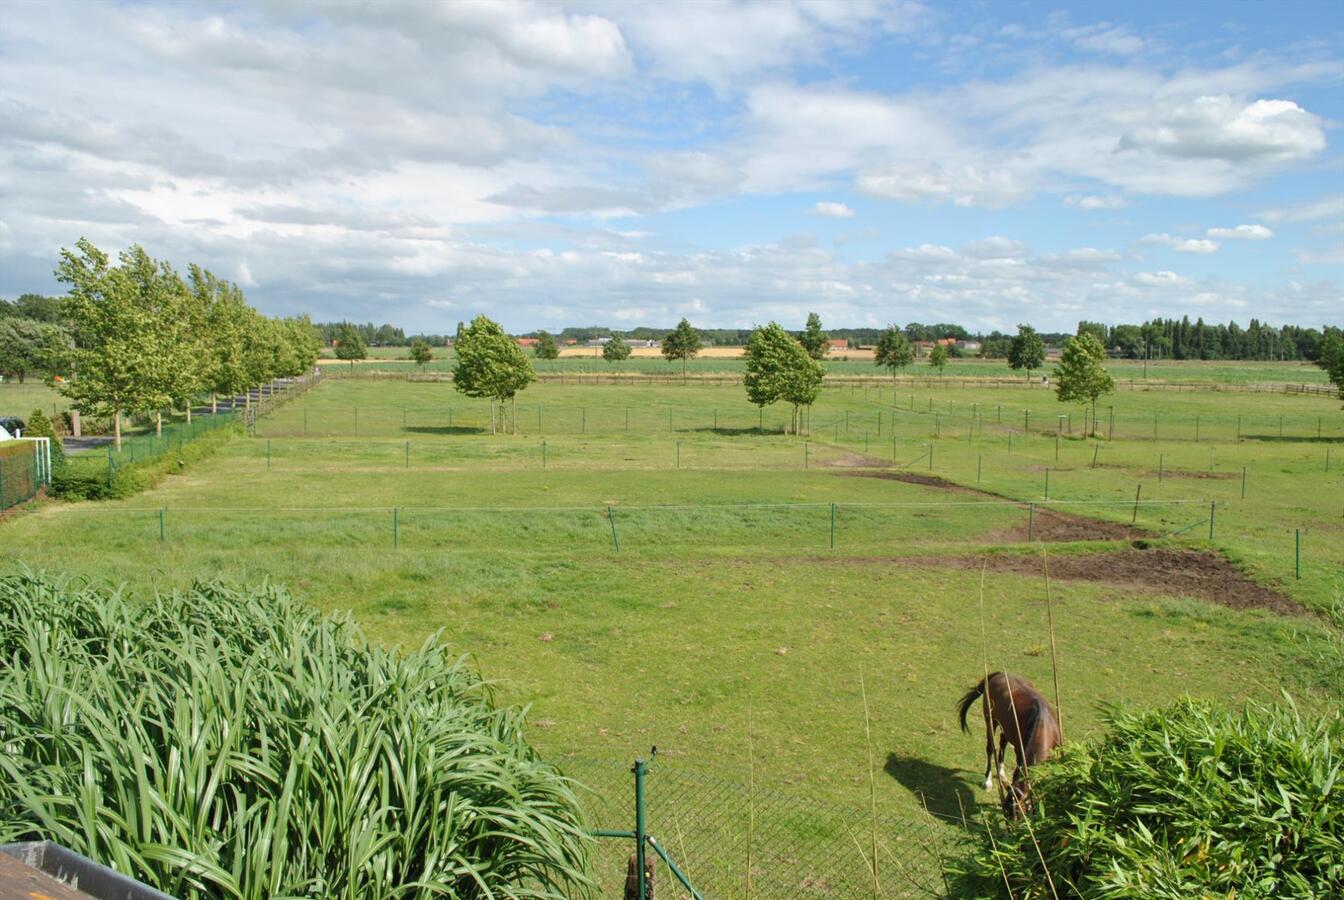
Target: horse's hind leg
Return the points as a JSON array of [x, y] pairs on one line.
[[1003, 751], [989, 757]]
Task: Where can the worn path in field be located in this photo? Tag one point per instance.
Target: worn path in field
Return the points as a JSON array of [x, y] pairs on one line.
[[1172, 572]]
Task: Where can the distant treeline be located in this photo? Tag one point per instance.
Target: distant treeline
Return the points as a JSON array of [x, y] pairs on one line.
[[1156, 339]]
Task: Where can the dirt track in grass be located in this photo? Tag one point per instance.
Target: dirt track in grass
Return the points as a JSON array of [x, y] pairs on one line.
[[1048, 525]]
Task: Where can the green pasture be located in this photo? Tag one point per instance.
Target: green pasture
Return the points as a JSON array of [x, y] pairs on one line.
[[1229, 372], [21, 399], [723, 590]]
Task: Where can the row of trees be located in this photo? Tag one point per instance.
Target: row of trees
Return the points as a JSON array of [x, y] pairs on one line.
[[141, 339]]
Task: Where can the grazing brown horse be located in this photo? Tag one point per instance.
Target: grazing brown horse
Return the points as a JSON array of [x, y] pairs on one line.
[[1028, 722]]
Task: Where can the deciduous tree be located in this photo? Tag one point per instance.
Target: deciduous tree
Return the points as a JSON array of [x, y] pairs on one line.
[[1081, 375], [893, 350], [1027, 350], [120, 351], [546, 348], [615, 349], [681, 343], [490, 365], [778, 367], [815, 341], [27, 345], [421, 353], [938, 357]]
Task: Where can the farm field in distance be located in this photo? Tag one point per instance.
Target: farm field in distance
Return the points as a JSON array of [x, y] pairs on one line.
[[853, 363], [659, 565]]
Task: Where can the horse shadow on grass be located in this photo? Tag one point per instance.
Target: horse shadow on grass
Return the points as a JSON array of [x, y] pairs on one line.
[[942, 791]]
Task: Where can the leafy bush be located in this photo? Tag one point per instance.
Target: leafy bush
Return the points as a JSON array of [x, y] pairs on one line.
[[39, 425], [1187, 801], [221, 742]]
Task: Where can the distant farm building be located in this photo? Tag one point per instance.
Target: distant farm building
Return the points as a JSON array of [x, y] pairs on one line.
[[839, 344], [526, 342]]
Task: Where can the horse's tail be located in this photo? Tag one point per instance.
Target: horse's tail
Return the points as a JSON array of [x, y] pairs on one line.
[[967, 699]]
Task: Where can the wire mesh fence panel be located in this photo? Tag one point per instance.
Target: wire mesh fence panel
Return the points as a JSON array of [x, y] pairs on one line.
[[20, 473], [732, 839]]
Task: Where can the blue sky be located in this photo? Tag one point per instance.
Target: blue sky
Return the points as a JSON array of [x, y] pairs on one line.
[[623, 164]]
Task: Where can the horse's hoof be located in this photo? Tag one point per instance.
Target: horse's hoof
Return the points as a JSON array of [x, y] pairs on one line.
[[989, 784]]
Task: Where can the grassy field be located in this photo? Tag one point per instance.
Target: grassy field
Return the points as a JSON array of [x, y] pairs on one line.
[[860, 363], [761, 576]]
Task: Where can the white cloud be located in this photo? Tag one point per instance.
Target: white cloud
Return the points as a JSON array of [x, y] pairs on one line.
[[1095, 201], [1221, 128], [1321, 208], [962, 185], [833, 209], [1180, 244], [1242, 232], [1333, 255]]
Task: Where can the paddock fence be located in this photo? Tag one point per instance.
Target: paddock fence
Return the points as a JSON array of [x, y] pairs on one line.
[[710, 836]]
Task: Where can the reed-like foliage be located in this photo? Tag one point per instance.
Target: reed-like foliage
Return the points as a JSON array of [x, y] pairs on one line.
[[224, 742], [1187, 801]]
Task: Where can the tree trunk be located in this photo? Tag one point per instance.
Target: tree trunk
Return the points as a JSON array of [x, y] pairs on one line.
[[514, 407], [214, 403], [492, 417], [188, 406], [158, 424], [116, 428]]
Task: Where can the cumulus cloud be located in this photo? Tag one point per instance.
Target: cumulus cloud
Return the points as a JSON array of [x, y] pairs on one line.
[[832, 209], [1180, 244], [1221, 128], [1242, 232]]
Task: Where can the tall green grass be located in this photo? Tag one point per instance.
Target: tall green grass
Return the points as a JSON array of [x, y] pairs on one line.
[[223, 742], [1187, 801]]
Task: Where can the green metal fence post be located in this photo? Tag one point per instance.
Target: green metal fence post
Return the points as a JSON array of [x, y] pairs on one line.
[[543, 453], [1160, 462], [1212, 505], [1297, 552], [1137, 491], [161, 528], [408, 454], [678, 454], [1026, 420], [396, 527], [930, 456], [979, 458], [1243, 482], [268, 453], [1047, 482], [832, 526], [640, 771], [611, 517], [1095, 451], [1031, 522], [583, 420]]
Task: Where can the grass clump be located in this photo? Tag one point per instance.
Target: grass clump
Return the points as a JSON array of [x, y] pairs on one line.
[[228, 742], [1186, 801]]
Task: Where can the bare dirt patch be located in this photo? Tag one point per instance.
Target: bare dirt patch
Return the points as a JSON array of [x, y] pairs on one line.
[[856, 461], [1178, 573], [1047, 525]]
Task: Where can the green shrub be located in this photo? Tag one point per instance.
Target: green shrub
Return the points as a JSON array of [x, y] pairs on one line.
[[221, 742], [1187, 801], [40, 425]]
